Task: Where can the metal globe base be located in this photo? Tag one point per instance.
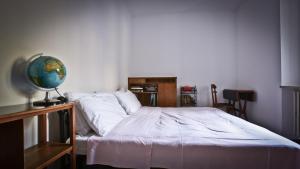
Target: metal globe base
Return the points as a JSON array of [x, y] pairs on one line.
[[46, 102]]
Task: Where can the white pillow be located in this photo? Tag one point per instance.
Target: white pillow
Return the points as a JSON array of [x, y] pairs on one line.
[[102, 112], [128, 101], [73, 96], [82, 127]]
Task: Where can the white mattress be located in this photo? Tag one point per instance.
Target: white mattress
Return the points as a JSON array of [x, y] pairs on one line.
[[181, 138]]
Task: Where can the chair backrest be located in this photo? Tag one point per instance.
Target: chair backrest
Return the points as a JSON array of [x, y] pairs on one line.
[[214, 94]]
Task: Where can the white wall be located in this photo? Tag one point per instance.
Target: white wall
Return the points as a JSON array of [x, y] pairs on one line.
[[290, 42], [192, 42], [258, 54], [235, 45], [85, 35]]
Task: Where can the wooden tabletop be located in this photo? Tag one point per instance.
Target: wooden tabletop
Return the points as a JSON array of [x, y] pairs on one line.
[[237, 94], [21, 111], [240, 90]]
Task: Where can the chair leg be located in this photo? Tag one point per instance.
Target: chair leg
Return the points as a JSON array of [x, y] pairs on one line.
[[231, 110], [234, 112], [227, 110], [245, 116]]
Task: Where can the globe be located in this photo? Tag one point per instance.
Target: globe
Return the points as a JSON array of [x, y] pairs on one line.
[[46, 72]]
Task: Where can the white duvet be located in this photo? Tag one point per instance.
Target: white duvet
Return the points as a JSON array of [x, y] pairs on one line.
[[187, 138]]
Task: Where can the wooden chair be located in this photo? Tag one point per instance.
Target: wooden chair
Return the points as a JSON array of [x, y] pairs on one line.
[[228, 107]]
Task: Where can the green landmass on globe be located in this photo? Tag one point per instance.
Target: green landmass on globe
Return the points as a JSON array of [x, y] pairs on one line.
[[46, 72]]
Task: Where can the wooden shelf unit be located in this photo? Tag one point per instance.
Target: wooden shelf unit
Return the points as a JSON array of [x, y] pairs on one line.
[[166, 90], [41, 156], [188, 98], [38, 156]]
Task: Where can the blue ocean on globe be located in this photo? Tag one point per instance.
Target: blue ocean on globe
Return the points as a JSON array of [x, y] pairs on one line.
[[46, 72]]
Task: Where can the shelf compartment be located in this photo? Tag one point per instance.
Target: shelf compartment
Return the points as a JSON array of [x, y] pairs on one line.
[[40, 156], [188, 96]]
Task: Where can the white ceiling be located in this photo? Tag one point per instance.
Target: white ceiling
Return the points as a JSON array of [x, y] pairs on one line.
[[143, 7]]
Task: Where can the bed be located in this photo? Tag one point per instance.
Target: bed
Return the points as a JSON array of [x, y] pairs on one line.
[[187, 138]]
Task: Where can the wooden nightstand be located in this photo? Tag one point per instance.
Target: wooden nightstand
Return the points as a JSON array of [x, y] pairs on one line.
[[44, 153]]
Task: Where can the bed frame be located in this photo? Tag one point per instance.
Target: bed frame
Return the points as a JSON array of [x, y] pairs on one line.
[[80, 159]]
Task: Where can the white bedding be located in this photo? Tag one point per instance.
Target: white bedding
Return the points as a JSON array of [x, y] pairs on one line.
[[187, 138], [81, 143]]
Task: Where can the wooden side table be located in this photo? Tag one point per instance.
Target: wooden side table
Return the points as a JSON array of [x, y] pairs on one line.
[[44, 153]]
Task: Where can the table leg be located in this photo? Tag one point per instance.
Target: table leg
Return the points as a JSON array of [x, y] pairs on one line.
[[231, 108], [233, 105], [42, 129], [242, 109], [72, 138]]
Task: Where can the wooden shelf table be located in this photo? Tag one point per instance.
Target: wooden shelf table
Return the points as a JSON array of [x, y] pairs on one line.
[[38, 156]]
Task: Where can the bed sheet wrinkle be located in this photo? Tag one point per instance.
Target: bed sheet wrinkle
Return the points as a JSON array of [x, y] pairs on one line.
[[202, 127]]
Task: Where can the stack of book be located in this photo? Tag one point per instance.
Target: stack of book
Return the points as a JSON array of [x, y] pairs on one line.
[[150, 88], [188, 89], [136, 88], [146, 93]]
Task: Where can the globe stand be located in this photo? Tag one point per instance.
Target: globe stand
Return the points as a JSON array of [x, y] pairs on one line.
[[46, 102]]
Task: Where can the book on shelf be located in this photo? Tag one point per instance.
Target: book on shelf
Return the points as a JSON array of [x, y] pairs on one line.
[[136, 88], [144, 88], [151, 88], [153, 100], [188, 89], [137, 91]]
